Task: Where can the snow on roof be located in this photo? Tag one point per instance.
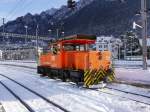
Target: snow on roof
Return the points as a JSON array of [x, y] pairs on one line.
[[105, 38]]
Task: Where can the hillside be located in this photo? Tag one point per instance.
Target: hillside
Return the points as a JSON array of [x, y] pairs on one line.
[[100, 17]]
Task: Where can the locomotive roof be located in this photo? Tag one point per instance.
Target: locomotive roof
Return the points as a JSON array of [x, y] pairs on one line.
[[78, 38]]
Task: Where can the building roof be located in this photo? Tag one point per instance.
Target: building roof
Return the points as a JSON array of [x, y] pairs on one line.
[[79, 41], [108, 38]]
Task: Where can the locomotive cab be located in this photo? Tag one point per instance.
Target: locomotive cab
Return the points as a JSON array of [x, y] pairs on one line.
[[73, 59]]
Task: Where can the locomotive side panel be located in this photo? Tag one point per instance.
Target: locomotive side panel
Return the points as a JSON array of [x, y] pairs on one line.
[[56, 61], [68, 60], [76, 60], [94, 61], [105, 62], [82, 60], [44, 59], [51, 60]]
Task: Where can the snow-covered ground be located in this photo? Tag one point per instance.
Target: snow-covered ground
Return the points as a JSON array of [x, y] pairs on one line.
[[125, 63], [137, 75], [70, 97], [132, 74], [1, 108], [27, 63], [9, 101]]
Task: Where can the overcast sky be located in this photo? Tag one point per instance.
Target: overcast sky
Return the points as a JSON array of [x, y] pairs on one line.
[[10, 9]]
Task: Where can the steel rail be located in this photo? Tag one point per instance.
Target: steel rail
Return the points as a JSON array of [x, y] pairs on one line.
[[17, 97], [39, 95]]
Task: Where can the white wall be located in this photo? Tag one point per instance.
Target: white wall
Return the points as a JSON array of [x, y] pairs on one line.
[[148, 41], [108, 43], [1, 54]]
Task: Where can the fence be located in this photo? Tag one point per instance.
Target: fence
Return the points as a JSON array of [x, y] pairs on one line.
[[127, 63]]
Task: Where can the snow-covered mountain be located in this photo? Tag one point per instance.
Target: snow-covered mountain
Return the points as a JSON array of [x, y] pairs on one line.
[[100, 17], [50, 11], [64, 12]]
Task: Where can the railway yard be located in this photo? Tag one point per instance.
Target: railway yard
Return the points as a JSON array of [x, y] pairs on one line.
[[74, 56], [23, 90]]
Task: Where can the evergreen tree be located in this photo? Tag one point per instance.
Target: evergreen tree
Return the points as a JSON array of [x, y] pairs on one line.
[[131, 45]]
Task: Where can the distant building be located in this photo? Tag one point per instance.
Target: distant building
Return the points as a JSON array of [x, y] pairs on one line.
[[19, 54], [109, 43]]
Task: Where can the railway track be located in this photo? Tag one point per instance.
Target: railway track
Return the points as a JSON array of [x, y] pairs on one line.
[[113, 89], [33, 92], [128, 92], [83, 97], [18, 98], [102, 90], [19, 66], [124, 96], [119, 82]]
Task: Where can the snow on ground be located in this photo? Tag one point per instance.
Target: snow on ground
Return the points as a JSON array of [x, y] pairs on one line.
[[133, 75], [132, 89], [34, 101], [9, 102], [28, 63], [132, 72], [128, 88], [72, 98], [18, 61], [123, 63], [1, 108]]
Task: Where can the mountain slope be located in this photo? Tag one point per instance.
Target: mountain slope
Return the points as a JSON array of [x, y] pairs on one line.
[[100, 17], [103, 18]]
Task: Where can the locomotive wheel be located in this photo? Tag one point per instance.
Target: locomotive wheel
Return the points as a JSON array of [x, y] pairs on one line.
[[63, 79], [42, 75], [64, 74], [50, 75]]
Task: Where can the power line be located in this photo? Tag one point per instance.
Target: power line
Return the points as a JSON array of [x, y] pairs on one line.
[[24, 4], [28, 5], [14, 8]]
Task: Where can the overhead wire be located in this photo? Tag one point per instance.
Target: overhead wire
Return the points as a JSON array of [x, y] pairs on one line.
[[13, 10], [27, 5], [24, 4]]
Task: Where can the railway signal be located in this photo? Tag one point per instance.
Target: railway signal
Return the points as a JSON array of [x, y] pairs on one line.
[[71, 4], [136, 25]]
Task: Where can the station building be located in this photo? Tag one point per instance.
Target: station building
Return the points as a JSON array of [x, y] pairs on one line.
[[19, 54], [104, 43]]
